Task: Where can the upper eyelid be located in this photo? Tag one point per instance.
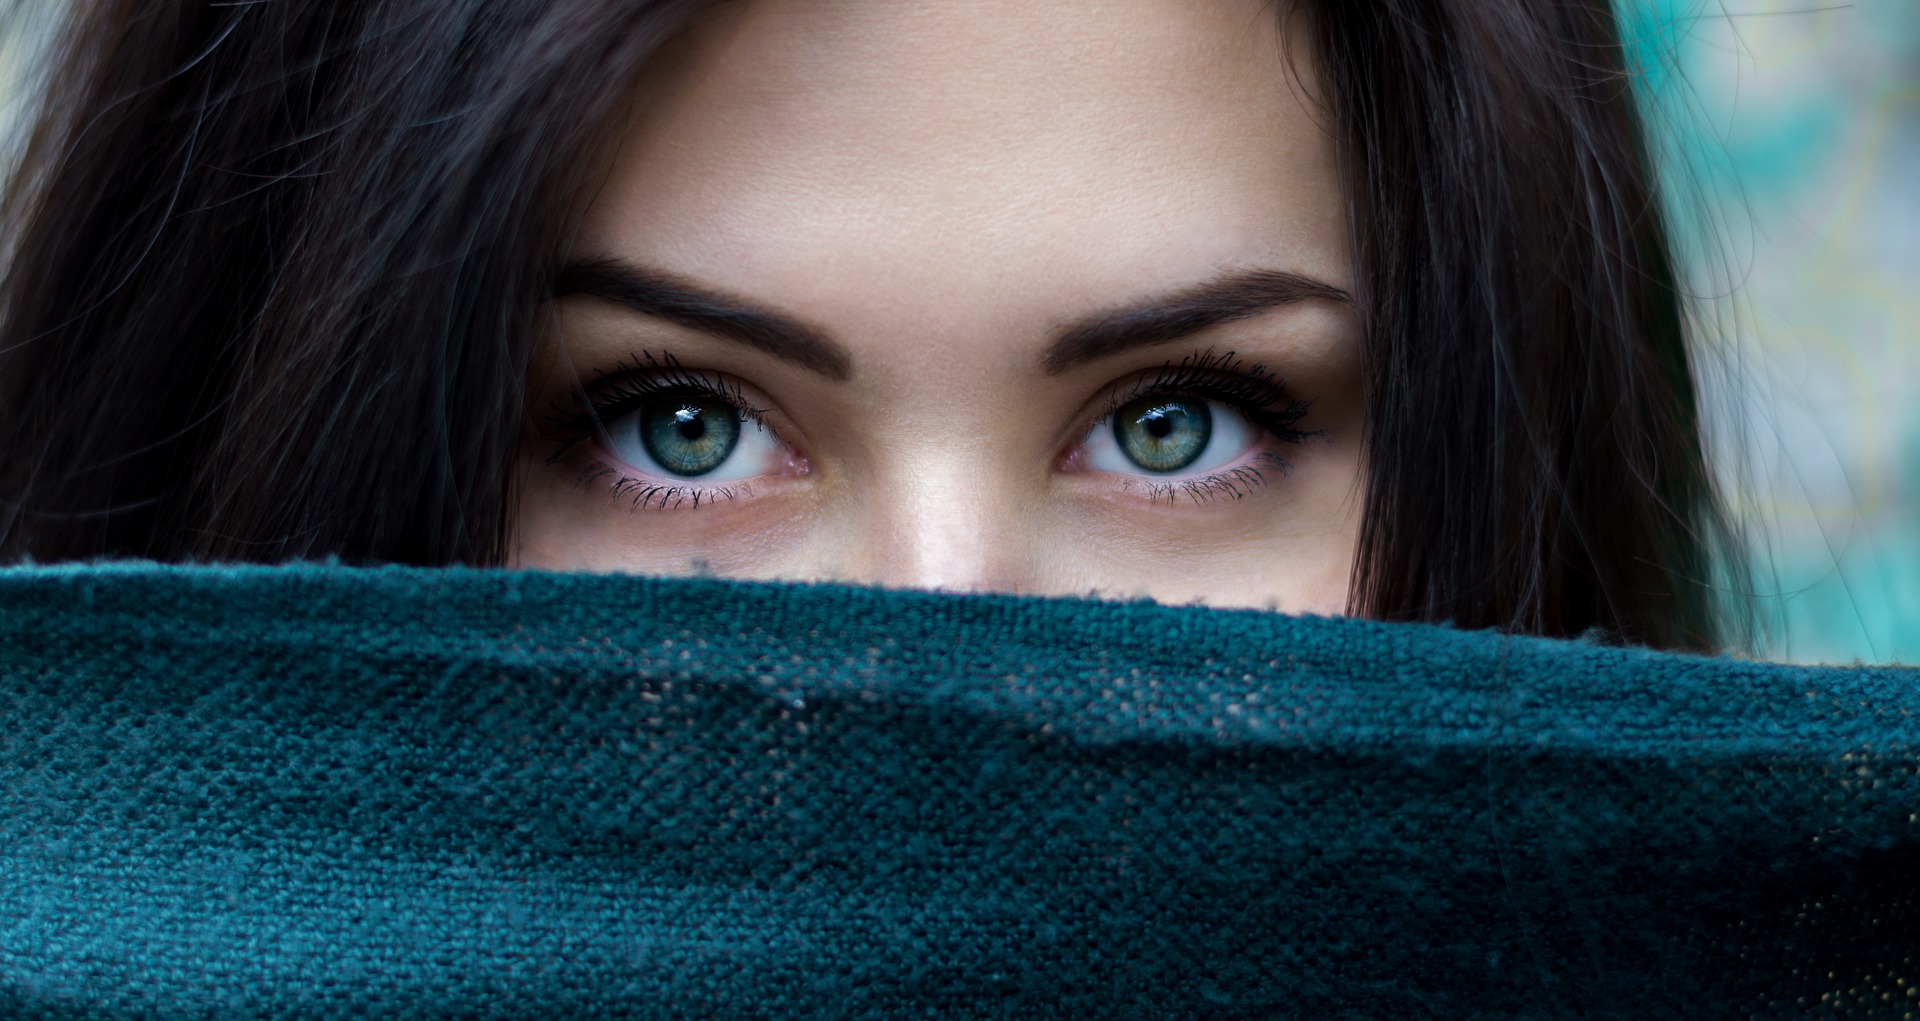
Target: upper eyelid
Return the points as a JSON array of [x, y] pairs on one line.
[[743, 396], [691, 381], [1211, 384], [1204, 374], [582, 414], [1275, 413], [644, 485], [1169, 378], [1118, 398]]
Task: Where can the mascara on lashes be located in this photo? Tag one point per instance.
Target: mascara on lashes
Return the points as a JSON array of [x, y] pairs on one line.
[[1251, 390]]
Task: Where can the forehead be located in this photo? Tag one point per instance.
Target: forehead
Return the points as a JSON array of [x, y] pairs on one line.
[[1055, 155]]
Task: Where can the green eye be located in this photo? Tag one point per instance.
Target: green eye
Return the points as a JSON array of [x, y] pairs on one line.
[[690, 436], [1163, 434]]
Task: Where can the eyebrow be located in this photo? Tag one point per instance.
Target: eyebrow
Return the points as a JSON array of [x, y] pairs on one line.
[[1165, 319], [683, 303], [1155, 321]]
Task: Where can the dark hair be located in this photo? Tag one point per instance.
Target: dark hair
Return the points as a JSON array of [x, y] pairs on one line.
[[275, 270], [1534, 453]]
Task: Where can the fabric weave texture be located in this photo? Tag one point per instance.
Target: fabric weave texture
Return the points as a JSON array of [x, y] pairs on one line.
[[329, 792]]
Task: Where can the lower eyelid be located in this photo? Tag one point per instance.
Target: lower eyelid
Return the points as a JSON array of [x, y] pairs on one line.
[[1084, 456], [1256, 466], [642, 493], [600, 469], [756, 450], [1234, 482]]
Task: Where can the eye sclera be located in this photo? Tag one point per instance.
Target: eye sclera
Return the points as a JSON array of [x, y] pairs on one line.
[[646, 489], [612, 404], [1250, 468], [1248, 397], [1225, 433]]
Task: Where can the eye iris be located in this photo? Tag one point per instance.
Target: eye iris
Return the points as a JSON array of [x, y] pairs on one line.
[[690, 436], [1163, 434]]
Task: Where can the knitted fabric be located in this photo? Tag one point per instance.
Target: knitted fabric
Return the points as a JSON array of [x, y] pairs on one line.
[[323, 792]]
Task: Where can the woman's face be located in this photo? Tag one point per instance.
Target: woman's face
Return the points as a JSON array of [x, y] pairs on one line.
[[972, 295]]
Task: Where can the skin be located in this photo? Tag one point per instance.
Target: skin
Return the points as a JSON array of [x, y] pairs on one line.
[[938, 190]]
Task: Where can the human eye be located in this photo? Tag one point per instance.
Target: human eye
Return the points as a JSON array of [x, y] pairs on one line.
[[662, 436], [1203, 427]]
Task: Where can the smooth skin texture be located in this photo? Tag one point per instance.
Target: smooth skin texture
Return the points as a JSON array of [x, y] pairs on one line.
[[910, 213]]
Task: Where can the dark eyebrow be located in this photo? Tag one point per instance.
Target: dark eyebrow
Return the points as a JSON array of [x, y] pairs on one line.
[[665, 296], [1161, 320]]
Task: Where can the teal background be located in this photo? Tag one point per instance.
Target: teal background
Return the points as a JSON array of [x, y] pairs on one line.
[[1789, 135]]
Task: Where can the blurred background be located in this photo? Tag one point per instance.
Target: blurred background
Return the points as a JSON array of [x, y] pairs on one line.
[[1788, 133]]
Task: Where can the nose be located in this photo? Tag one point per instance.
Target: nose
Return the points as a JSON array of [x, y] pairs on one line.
[[957, 531]]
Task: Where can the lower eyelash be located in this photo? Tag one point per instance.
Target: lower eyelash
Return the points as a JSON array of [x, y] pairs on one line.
[[642, 494], [1234, 483]]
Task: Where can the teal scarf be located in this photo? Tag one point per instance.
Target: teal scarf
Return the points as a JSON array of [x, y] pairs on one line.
[[332, 793]]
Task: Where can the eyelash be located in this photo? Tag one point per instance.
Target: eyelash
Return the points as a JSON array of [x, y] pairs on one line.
[[632, 384], [1252, 390]]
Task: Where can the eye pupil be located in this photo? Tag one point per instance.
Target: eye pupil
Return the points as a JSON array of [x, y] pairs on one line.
[[690, 437], [692, 426], [1163, 434]]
